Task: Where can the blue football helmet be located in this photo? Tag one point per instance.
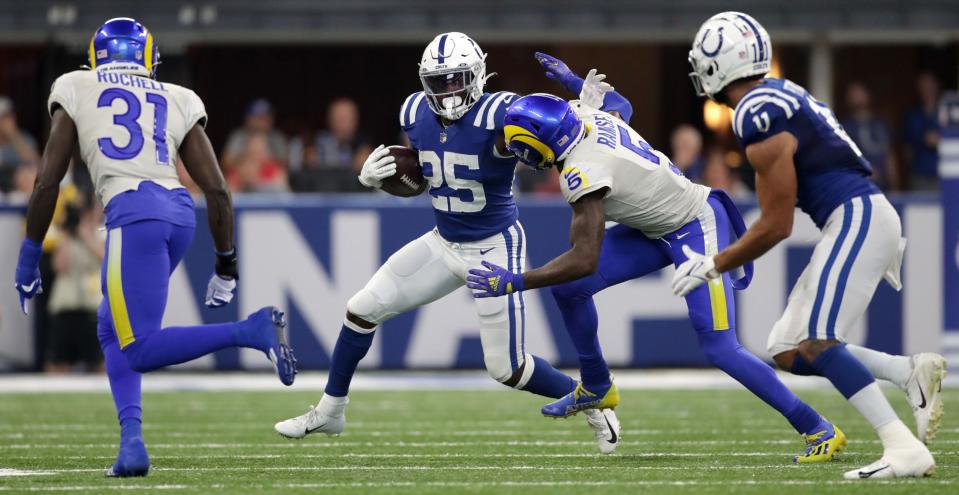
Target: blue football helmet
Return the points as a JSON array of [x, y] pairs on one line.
[[541, 129], [125, 40]]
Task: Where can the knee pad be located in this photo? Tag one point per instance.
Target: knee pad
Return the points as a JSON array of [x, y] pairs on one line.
[[373, 302], [134, 356], [719, 346], [498, 367]]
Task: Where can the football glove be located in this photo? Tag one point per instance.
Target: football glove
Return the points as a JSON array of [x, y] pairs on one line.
[[494, 281], [695, 271], [594, 90], [378, 166], [27, 278], [219, 291], [557, 69]]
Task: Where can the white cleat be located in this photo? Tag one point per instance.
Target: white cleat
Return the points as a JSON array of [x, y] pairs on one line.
[[326, 417], [912, 463], [606, 427], [924, 392]]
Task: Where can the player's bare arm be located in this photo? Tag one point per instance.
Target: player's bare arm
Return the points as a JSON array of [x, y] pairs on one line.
[[53, 167], [587, 230], [776, 191], [200, 162]]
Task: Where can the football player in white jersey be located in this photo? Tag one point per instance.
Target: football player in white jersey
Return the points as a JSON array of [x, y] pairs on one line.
[[804, 158], [456, 128], [128, 128], [608, 172]]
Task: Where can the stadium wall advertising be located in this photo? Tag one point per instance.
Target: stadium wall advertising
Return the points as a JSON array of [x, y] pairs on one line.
[[309, 255]]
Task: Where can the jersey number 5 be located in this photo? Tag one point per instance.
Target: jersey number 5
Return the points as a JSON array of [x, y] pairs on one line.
[[128, 120]]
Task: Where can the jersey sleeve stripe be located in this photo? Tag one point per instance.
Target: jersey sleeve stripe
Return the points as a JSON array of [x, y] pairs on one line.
[[406, 116], [415, 107], [754, 105], [491, 114], [793, 101], [404, 107], [479, 114]]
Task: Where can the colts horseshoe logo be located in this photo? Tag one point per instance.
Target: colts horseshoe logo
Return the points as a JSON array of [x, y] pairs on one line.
[[702, 43]]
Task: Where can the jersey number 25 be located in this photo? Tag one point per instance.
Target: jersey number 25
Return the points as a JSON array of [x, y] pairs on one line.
[[128, 120], [451, 187]]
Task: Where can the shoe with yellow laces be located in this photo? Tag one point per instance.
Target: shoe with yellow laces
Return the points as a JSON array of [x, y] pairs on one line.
[[822, 445], [581, 399]]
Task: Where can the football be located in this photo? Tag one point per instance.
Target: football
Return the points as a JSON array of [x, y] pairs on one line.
[[408, 180]]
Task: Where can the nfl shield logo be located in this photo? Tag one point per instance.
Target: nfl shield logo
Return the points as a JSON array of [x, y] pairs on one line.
[[442, 137]]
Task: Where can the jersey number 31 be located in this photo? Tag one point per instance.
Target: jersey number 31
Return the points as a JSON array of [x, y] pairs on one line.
[[128, 120]]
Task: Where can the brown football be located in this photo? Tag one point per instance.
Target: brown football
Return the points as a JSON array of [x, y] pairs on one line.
[[408, 180]]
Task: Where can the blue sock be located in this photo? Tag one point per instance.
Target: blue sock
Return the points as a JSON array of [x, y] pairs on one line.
[[124, 382], [350, 348], [582, 325], [841, 368], [724, 351], [547, 380], [801, 367], [130, 429], [175, 345]]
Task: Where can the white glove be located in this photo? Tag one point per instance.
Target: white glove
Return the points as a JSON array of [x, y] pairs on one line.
[[695, 271], [594, 90], [378, 166], [219, 292]]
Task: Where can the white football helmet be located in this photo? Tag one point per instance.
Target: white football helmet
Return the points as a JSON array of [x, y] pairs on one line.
[[453, 73], [729, 46]]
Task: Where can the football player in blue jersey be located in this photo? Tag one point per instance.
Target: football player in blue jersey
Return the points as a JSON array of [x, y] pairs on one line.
[[457, 128], [130, 147], [803, 157]]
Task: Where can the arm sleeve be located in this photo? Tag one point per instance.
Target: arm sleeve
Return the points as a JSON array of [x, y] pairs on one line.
[[194, 111], [496, 115], [759, 118], [578, 181], [63, 95], [612, 102]]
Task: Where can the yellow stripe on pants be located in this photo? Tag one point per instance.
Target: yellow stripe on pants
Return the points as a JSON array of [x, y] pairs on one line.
[[118, 304]]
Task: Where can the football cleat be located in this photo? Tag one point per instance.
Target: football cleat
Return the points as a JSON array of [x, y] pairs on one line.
[[822, 445], [606, 427], [272, 323], [924, 392], [900, 463], [327, 417], [581, 399], [132, 460]]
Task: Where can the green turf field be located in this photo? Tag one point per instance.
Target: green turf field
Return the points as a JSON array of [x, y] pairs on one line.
[[444, 442]]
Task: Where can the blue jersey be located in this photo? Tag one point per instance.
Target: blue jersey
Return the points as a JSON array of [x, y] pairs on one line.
[[830, 169], [471, 184]]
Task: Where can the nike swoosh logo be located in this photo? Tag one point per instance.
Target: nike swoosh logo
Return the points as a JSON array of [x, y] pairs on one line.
[[923, 404], [868, 474], [311, 430], [612, 431], [484, 251], [28, 288], [680, 236]]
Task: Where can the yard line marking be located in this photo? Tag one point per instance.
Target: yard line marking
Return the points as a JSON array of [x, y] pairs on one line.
[[4, 472], [123, 487]]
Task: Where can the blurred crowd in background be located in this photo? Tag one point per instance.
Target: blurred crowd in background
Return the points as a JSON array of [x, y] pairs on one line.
[[257, 157]]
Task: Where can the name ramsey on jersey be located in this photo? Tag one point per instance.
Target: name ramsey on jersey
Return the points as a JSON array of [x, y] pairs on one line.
[[646, 191], [129, 129], [830, 169], [471, 183]]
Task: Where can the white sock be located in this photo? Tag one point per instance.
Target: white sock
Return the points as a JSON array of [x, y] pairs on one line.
[[897, 436], [872, 404], [330, 404], [895, 369]]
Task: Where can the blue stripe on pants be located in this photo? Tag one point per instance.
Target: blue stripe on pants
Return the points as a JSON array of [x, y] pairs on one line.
[[510, 306], [847, 267], [520, 235], [824, 276]]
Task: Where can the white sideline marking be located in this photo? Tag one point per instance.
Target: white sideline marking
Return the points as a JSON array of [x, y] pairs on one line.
[[123, 487], [398, 381]]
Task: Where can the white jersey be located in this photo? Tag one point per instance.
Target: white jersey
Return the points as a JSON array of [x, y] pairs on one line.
[[129, 126], [646, 192]]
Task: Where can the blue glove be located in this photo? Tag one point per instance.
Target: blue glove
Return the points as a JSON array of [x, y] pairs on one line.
[[495, 281], [27, 280], [558, 70]]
